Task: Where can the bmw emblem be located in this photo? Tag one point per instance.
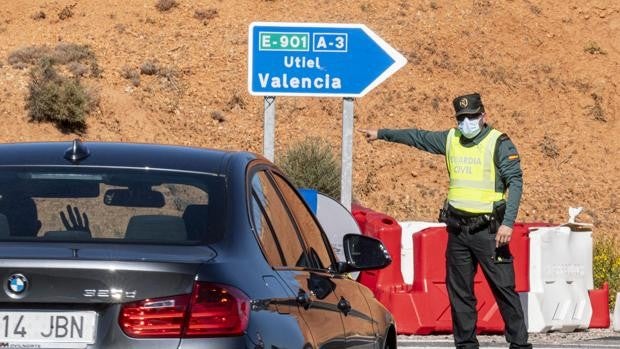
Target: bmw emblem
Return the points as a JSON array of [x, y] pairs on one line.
[[16, 286]]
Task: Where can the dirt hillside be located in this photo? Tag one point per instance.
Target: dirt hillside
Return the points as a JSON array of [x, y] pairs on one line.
[[548, 72]]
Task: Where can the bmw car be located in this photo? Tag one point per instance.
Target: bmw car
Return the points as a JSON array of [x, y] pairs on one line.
[[117, 245]]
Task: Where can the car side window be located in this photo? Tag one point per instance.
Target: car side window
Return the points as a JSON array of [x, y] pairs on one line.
[[285, 238], [266, 236], [310, 230]]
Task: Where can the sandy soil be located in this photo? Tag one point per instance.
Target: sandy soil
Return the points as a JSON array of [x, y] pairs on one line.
[[548, 72]]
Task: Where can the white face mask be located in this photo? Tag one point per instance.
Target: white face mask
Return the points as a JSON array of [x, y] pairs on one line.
[[470, 128]]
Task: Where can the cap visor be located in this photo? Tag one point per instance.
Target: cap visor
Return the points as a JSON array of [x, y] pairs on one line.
[[468, 111]]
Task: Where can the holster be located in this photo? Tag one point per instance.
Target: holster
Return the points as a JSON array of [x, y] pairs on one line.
[[471, 223], [497, 216]]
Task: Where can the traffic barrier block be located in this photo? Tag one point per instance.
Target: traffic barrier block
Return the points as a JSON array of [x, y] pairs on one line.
[[617, 313], [409, 228], [560, 276], [386, 229], [600, 307]]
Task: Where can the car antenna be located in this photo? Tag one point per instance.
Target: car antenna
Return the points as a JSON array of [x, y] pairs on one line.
[[78, 151]]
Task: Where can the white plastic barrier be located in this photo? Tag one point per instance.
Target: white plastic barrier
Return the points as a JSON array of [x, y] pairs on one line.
[[406, 245], [617, 314], [560, 277]]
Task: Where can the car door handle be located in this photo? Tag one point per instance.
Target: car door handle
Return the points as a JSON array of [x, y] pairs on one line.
[[344, 306], [303, 299]]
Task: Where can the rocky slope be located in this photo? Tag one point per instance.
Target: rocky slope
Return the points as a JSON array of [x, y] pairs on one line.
[[548, 72]]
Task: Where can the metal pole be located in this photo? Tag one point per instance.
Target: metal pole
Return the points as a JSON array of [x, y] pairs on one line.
[[269, 131], [346, 176]]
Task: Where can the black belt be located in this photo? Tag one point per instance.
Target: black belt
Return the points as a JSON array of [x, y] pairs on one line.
[[464, 221]]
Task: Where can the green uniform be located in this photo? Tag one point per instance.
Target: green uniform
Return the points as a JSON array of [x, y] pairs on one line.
[[507, 160]]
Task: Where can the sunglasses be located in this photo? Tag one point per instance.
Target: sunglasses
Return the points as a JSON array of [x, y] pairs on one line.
[[468, 116]]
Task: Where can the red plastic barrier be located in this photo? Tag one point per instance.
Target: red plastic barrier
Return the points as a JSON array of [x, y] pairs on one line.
[[386, 229], [600, 307], [423, 307]]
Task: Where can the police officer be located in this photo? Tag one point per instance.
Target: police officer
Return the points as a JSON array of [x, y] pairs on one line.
[[483, 164]]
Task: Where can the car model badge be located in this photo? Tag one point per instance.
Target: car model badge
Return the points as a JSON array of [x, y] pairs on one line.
[[16, 285]]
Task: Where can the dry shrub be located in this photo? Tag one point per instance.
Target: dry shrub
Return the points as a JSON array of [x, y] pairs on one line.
[[77, 69], [57, 99], [236, 100], [202, 14], [594, 49], [95, 70], [596, 110], [63, 53], [311, 164], [166, 5], [66, 12], [39, 15], [549, 148], [25, 56], [218, 116], [131, 74], [149, 67], [169, 77]]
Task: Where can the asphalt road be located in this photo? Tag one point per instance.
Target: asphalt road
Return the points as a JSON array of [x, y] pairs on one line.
[[592, 339]]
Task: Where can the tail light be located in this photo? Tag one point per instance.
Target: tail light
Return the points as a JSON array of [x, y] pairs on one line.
[[212, 310]]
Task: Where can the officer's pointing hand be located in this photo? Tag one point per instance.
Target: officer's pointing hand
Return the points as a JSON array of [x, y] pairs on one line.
[[503, 236], [370, 135]]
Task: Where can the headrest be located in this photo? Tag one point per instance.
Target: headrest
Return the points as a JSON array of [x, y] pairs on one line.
[[156, 227], [195, 217]]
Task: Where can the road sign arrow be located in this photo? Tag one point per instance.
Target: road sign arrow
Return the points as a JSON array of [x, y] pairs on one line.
[[317, 59]]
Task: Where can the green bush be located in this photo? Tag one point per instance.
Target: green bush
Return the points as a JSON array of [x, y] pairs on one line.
[[606, 265], [311, 164], [57, 99]]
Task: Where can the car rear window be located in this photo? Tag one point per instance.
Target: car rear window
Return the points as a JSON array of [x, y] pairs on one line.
[[103, 204]]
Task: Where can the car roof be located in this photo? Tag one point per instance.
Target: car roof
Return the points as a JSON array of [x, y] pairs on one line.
[[133, 155]]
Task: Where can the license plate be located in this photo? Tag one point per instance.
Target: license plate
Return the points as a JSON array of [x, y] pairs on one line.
[[47, 329]]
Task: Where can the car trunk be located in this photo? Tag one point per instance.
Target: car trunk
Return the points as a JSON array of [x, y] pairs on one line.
[[70, 293]]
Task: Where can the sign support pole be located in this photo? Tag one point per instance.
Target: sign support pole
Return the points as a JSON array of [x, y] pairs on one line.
[[269, 131], [346, 174]]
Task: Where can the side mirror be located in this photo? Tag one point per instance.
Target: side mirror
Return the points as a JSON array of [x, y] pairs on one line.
[[363, 253]]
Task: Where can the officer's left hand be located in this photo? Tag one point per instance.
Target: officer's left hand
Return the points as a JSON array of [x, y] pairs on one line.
[[503, 236]]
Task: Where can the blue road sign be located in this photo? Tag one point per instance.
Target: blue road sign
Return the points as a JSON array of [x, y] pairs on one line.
[[317, 59]]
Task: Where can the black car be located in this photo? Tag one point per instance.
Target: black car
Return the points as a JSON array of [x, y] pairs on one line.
[[115, 245]]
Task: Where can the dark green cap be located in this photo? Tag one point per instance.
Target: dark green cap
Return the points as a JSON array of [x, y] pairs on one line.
[[468, 104]]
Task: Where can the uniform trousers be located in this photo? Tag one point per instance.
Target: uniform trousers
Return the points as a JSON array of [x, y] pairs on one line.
[[464, 252]]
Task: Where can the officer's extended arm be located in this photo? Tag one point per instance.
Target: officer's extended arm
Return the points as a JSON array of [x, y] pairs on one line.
[[430, 141]]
